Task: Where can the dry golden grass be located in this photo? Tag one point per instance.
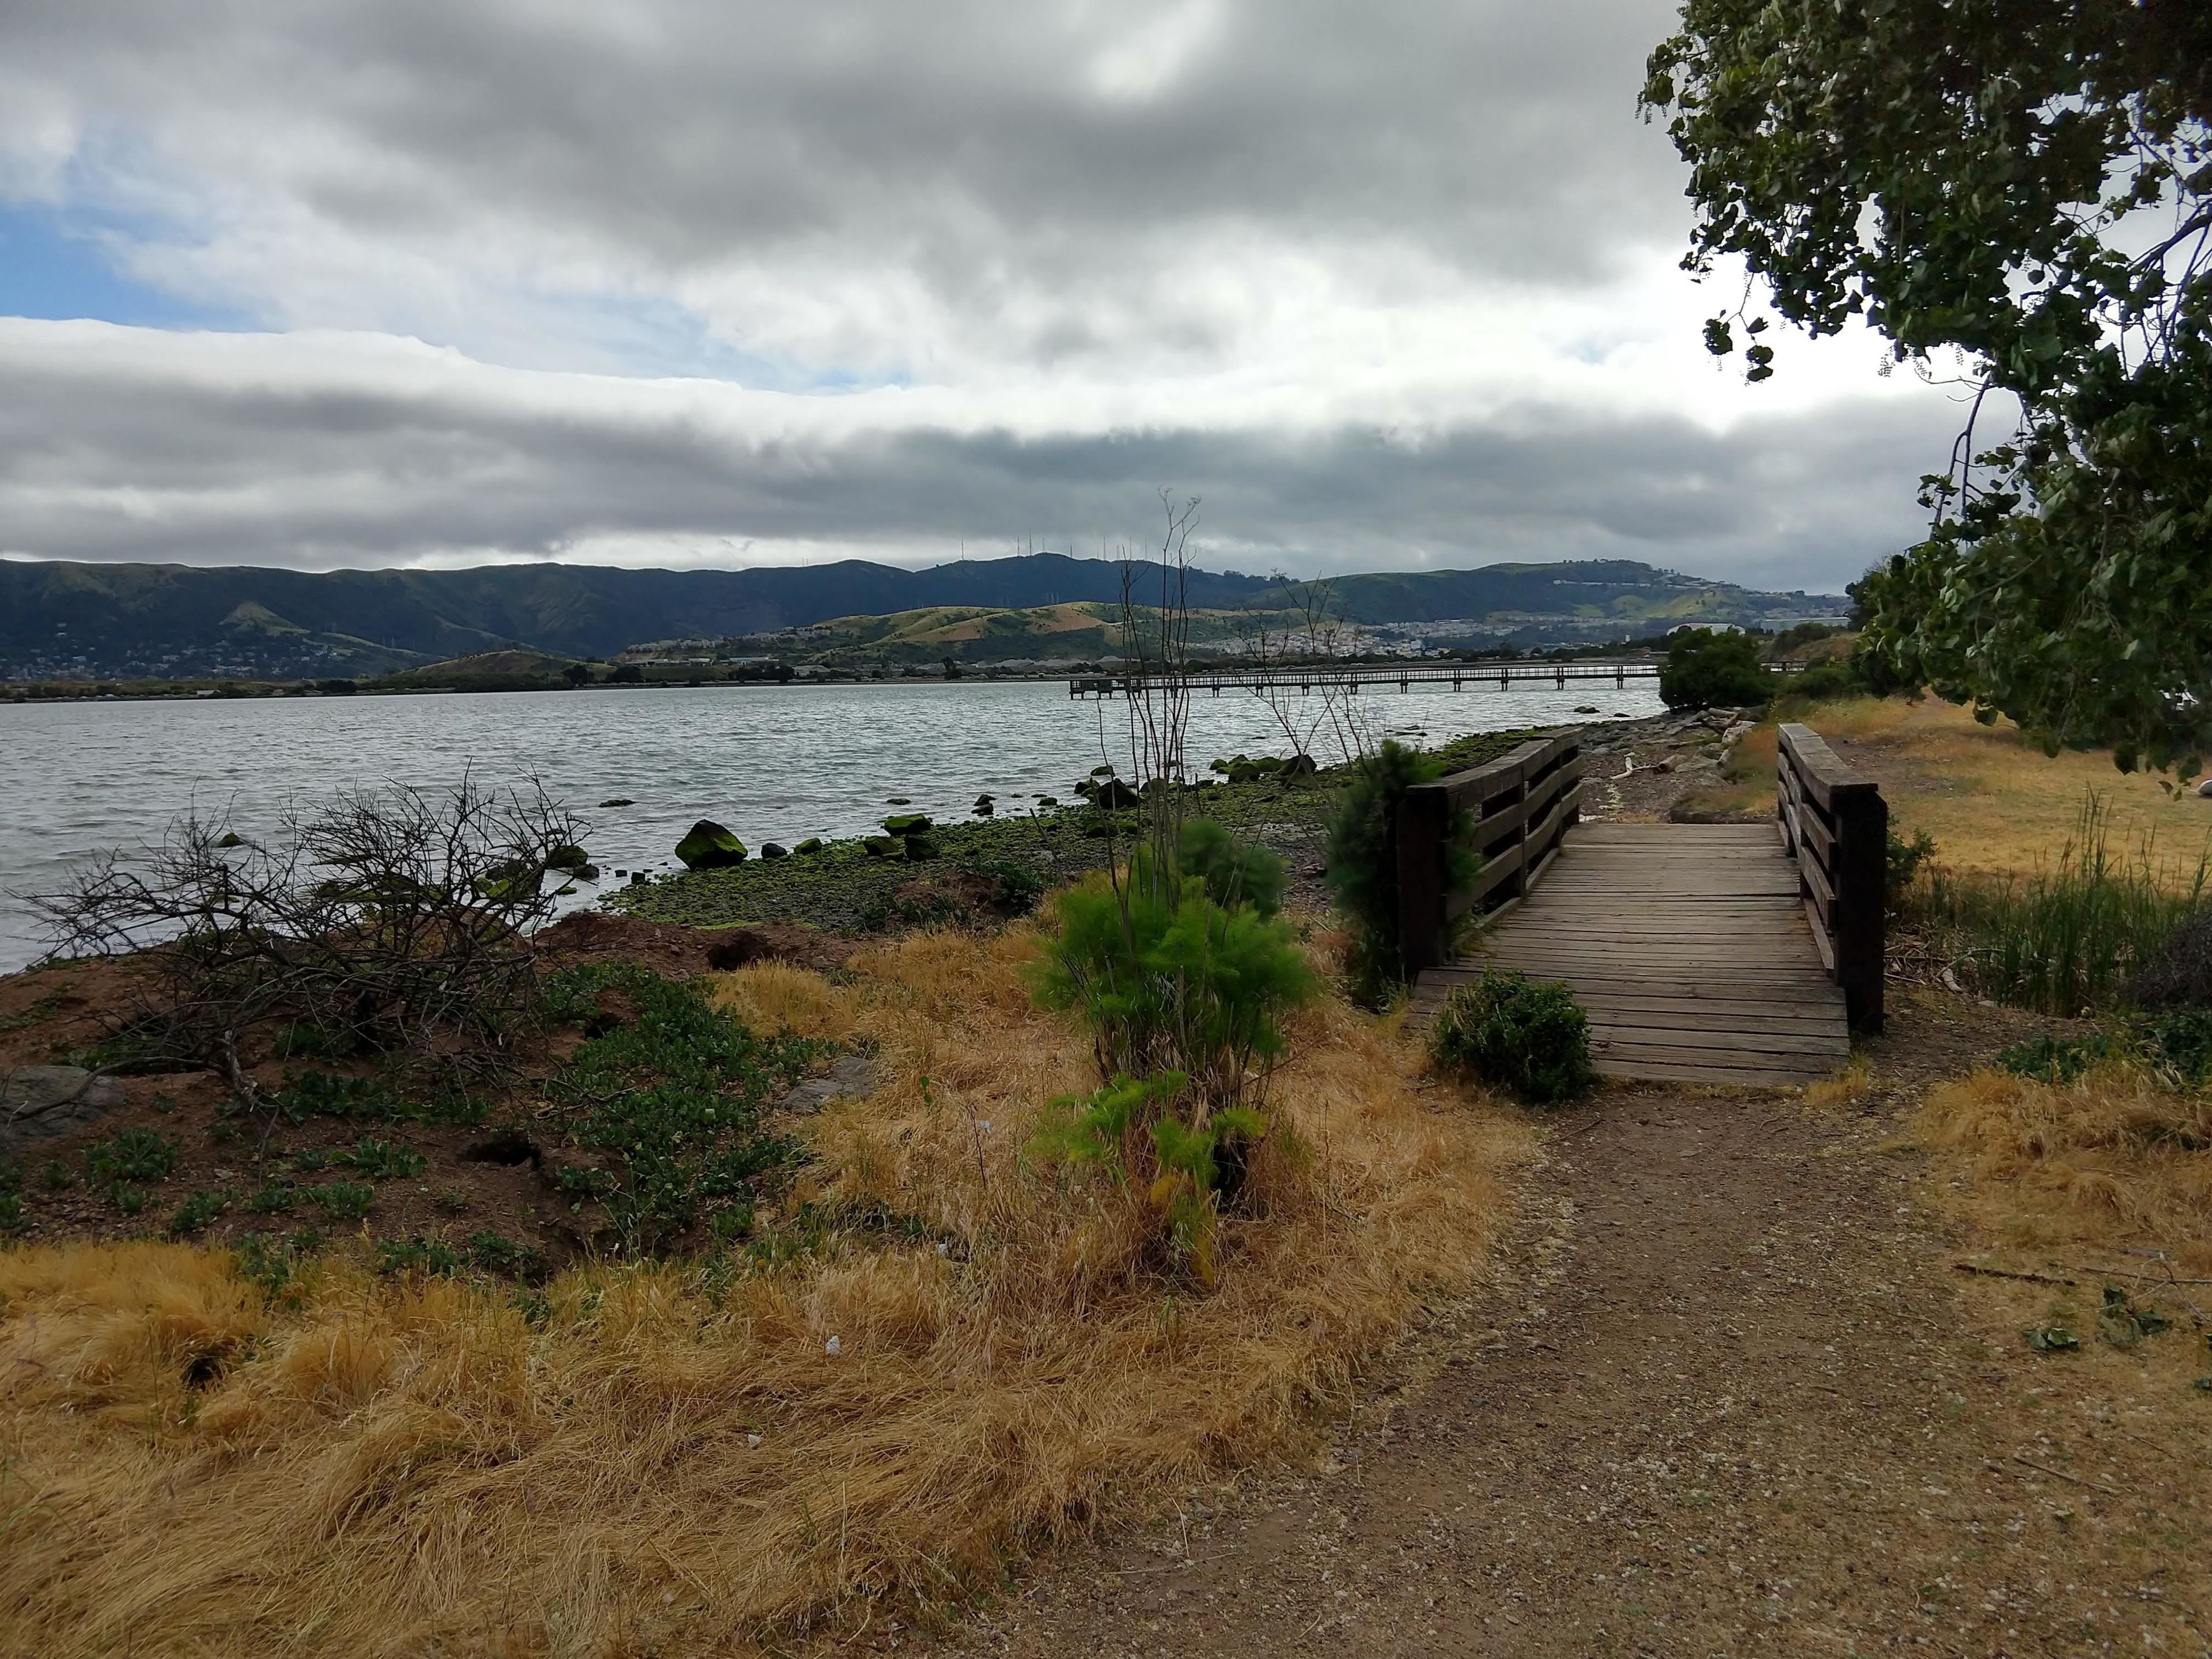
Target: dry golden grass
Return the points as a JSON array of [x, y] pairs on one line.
[[674, 1460], [2110, 1162], [1993, 802]]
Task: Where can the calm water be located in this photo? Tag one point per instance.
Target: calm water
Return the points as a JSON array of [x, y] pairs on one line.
[[773, 763]]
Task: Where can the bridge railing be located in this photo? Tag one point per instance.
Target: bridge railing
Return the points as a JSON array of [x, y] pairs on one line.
[[1522, 803], [1836, 823]]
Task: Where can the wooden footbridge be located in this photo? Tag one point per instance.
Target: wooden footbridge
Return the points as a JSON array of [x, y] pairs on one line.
[[1702, 953]]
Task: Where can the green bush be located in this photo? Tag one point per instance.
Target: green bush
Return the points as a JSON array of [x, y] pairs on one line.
[[1902, 862], [191, 1217], [1528, 1036], [1235, 872], [1363, 860], [1834, 678], [132, 1155], [2180, 1041], [1706, 669], [2048, 1059], [1170, 980]]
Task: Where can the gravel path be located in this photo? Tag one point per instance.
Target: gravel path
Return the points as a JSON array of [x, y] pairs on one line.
[[1728, 1397]]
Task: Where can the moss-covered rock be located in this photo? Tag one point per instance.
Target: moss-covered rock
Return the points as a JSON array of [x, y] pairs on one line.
[[770, 850], [708, 846], [566, 858], [919, 847], [906, 823], [885, 847], [811, 845]]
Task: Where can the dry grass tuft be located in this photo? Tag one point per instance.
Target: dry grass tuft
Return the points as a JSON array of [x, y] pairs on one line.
[[2109, 1161], [671, 1459]]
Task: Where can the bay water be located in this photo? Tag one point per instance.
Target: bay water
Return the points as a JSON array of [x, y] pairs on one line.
[[772, 762]]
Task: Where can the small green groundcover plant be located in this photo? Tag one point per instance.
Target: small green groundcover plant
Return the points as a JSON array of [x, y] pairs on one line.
[[1528, 1037]]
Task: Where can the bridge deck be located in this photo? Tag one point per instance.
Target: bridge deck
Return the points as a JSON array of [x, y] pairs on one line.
[[1688, 945]]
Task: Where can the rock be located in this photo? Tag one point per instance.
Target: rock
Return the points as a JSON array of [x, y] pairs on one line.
[[619, 800], [708, 846], [567, 858], [985, 806], [770, 850], [811, 844], [229, 838], [38, 1101], [1301, 766], [1112, 795], [588, 872], [884, 847], [852, 1077], [919, 847], [2205, 789], [1736, 732], [1586, 709], [898, 800], [906, 823]]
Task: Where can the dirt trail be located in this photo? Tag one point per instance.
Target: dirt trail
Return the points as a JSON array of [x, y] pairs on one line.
[[1729, 1399]]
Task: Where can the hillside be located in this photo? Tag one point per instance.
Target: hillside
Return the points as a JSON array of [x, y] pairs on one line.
[[84, 621]]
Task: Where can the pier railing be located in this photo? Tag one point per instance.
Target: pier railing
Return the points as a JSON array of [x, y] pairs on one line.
[[1305, 677], [1836, 825], [1521, 803]]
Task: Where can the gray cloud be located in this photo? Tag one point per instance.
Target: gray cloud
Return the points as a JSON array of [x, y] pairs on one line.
[[376, 458], [1386, 285]]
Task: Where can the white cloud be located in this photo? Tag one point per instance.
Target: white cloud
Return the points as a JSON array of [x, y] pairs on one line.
[[932, 275]]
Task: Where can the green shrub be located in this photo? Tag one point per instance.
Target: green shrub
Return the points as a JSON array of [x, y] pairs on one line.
[[192, 1216], [1902, 860], [2180, 1041], [381, 1160], [1709, 669], [347, 1200], [1528, 1036], [1363, 860], [133, 1155], [418, 1254], [1821, 681], [2048, 1059], [1169, 981], [1130, 1126], [1234, 872]]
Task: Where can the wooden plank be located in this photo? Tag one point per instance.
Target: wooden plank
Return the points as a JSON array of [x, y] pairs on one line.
[[1740, 1059], [1651, 1071], [1826, 946], [1782, 1043], [1812, 987]]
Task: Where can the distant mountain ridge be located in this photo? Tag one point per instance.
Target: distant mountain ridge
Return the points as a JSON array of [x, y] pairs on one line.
[[114, 620]]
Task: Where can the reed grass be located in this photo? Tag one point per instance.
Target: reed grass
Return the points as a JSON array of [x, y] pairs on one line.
[[942, 1355], [2065, 936]]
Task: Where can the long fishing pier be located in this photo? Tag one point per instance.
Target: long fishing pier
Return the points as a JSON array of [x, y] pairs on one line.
[[1456, 675]]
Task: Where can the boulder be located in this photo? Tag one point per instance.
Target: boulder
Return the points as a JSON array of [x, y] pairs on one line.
[[1112, 795], [884, 847], [619, 800], [40, 1102], [2205, 789], [708, 846], [1301, 766], [906, 823], [811, 844], [1586, 709], [567, 858], [985, 806], [229, 838], [770, 850], [919, 847]]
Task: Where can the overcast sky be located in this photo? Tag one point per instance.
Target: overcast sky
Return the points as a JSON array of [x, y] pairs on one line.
[[1394, 285]]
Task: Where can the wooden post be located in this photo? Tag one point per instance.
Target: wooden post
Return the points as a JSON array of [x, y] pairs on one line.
[[1862, 819], [1423, 815]]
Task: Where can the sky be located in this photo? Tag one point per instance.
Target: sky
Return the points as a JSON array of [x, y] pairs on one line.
[[327, 284]]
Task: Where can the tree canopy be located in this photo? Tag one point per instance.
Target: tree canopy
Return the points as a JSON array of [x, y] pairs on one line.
[[2020, 189]]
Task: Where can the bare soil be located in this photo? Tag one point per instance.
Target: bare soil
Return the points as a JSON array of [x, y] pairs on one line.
[[478, 1177], [1730, 1393]]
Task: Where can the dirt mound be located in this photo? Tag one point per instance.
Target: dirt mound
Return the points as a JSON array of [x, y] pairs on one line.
[[670, 948]]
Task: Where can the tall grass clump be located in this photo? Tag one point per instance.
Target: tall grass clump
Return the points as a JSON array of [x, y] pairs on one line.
[[2067, 937], [1363, 860]]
